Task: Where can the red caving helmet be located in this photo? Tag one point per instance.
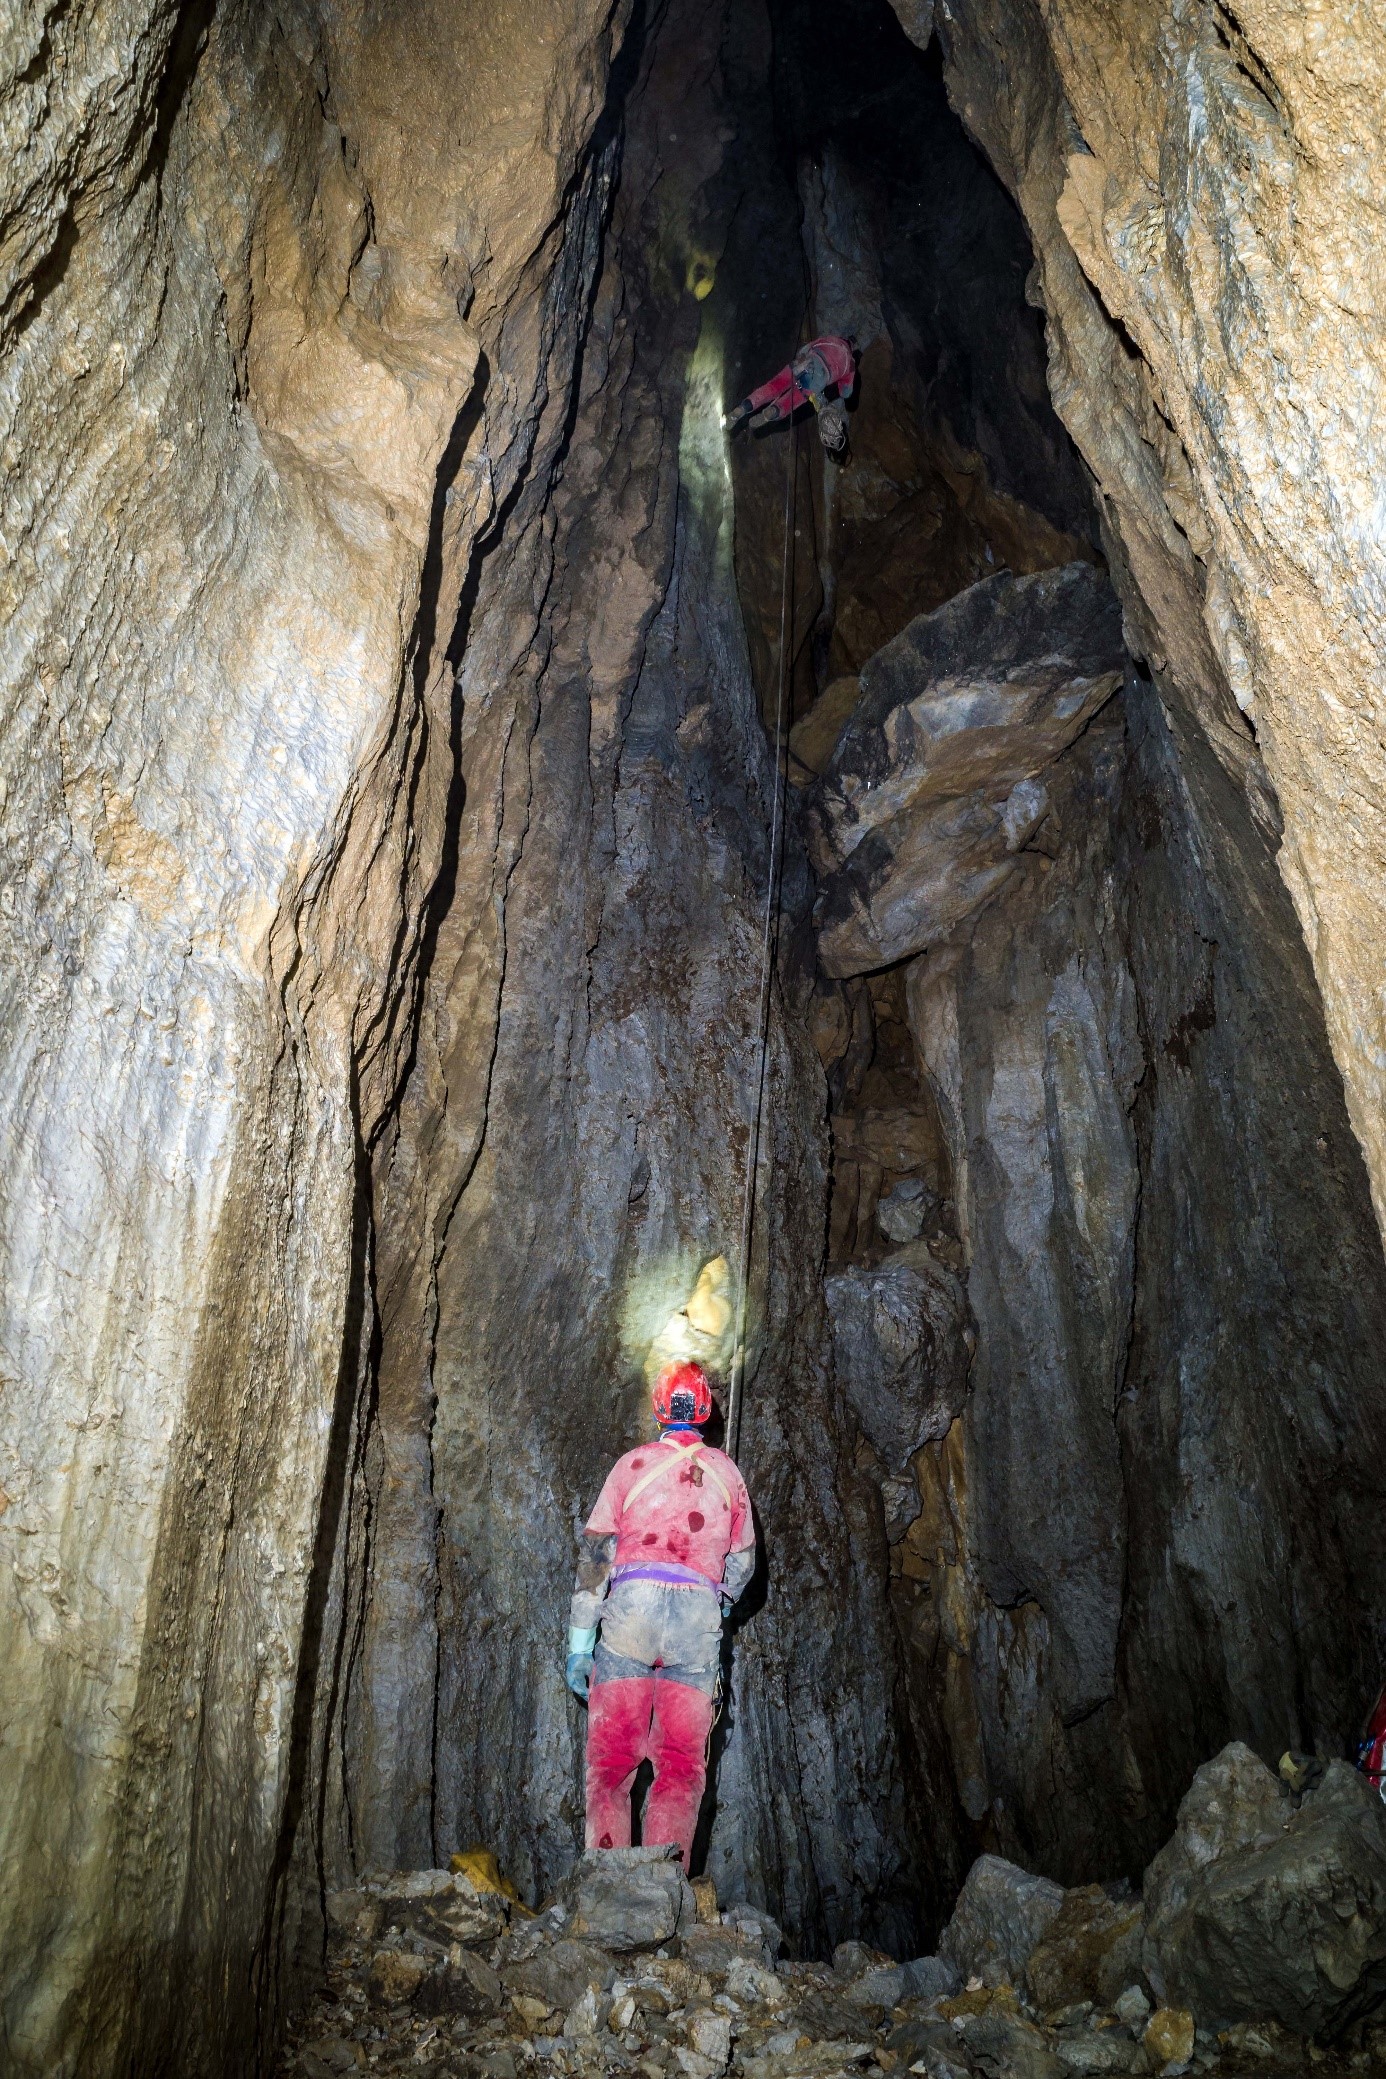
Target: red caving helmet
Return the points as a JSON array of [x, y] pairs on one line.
[[682, 1394]]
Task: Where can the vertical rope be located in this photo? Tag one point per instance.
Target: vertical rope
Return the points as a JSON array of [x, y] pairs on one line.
[[771, 935]]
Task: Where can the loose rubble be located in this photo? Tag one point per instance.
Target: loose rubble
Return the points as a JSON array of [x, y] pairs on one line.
[[633, 1970]]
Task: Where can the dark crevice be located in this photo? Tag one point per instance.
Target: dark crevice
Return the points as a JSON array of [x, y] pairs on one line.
[[185, 54], [29, 297], [305, 1785]]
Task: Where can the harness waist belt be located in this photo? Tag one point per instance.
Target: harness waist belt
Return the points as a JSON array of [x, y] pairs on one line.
[[672, 1575]]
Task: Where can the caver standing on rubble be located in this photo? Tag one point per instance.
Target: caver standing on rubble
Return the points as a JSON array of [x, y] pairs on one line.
[[669, 1546]]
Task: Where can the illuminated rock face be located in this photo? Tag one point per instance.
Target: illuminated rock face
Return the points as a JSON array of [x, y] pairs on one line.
[[271, 281]]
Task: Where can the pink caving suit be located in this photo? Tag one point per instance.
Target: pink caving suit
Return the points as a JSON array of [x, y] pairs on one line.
[[824, 364], [671, 1537]]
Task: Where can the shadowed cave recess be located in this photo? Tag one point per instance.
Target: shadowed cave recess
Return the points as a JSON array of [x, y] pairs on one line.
[[392, 351]]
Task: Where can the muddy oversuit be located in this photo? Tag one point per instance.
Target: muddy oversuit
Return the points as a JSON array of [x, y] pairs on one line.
[[669, 1544]]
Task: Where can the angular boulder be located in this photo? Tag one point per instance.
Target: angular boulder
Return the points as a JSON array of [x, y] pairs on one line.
[[1170, 2035], [1233, 1802], [1283, 1922], [1002, 1914], [560, 1974], [436, 1903], [850, 1959], [900, 1345], [754, 1984], [1084, 2051], [936, 780], [588, 2015], [1004, 2045], [396, 1975], [630, 1898], [1091, 1950], [755, 1924], [714, 1950], [928, 2045]]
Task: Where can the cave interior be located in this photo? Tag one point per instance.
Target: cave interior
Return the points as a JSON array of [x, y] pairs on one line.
[[1066, 1293]]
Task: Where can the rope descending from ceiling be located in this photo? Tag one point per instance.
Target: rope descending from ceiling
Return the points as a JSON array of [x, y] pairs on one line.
[[768, 951]]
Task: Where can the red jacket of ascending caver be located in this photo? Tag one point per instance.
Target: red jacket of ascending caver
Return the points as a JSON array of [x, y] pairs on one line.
[[676, 1506], [826, 363]]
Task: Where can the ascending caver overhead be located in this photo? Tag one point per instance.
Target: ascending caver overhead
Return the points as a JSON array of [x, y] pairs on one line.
[[823, 366], [669, 1545]]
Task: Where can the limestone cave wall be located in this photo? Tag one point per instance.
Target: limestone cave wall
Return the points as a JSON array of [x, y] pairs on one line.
[[285, 295], [1199, 183], [573, 1135], [1086, 1073]]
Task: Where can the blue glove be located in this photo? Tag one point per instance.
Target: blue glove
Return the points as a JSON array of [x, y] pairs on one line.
[[578, 1673]]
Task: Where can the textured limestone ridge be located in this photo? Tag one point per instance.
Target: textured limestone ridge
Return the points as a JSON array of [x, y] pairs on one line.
[[1202, 187], [272, 283]]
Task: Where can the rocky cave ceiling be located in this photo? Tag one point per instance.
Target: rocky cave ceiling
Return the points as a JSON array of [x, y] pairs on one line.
[[389, 645]]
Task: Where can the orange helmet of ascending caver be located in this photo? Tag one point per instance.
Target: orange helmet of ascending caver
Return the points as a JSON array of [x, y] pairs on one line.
[[682, 1394]]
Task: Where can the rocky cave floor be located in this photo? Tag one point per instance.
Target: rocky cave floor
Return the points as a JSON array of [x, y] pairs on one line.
[[631, 1969]]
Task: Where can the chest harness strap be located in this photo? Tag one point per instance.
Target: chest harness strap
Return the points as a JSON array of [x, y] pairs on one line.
[[680, 1452]]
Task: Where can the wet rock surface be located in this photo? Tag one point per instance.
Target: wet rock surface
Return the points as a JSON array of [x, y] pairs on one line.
[[275, 352], [576, 1122], [1232, 577], [1094, 1045], [387, 820], [717, 1997]]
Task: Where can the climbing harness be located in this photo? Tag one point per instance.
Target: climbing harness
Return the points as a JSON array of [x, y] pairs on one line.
[[771, 938], [683, 1453]]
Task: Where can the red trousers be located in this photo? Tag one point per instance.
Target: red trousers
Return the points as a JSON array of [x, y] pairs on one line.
[[638, 1719]]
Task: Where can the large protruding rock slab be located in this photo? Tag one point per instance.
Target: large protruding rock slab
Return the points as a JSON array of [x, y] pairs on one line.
[[935, 783], [1257, 1911]]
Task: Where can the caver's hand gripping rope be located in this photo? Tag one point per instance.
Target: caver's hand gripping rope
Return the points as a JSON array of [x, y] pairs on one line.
[[771, 938]]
